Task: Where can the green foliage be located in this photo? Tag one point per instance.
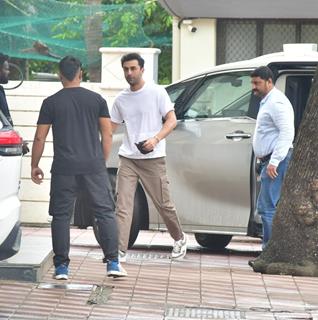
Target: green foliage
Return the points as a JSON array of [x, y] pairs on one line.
[[164, 72], [158, 22], [156, 17], [42, 66], [157, 25], [123, 26], [63, 30], [71, 26]]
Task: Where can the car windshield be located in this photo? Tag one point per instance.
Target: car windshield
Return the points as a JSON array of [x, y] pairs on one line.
[[222, 95]]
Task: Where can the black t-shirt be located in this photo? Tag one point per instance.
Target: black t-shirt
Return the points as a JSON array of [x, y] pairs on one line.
[[74, 115]]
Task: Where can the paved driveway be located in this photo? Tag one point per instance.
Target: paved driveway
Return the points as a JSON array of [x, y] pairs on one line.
[[204, 285]]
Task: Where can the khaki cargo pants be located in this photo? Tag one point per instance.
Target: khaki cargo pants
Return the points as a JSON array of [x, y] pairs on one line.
[[152, 173]]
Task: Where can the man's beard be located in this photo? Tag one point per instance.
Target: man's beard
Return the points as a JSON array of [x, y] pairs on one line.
[[256, 93], [3, 79]]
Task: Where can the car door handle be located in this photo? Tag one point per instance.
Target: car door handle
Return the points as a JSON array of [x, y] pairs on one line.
[[238, 135]]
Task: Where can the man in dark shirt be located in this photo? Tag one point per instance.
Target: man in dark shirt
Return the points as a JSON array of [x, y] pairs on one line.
[[4, 78], [77, 116]]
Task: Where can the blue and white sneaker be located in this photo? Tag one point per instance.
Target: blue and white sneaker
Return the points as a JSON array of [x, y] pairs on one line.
[[115, 270], [61, 272]]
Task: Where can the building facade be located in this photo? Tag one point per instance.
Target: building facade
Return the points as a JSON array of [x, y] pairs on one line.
[[206, 32]]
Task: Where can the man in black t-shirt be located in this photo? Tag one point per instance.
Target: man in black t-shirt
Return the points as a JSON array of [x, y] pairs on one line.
[[78, 118]]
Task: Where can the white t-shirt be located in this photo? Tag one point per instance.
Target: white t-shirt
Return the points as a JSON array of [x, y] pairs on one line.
[[142, 112]]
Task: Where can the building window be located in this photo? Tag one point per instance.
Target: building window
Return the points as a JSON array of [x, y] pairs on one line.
[[241, 39]]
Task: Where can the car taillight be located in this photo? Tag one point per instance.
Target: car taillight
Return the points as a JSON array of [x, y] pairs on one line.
[[10, 143]]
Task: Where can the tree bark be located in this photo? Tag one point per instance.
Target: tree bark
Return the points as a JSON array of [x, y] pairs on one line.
[[94, 40], [293, 248]]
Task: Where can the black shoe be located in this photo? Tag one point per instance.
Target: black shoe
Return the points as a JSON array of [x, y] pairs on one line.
[[251, 263]]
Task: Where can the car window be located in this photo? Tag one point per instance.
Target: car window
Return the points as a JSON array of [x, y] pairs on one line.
[[1, 120], [175, 91], [222, 95], [180, 93]]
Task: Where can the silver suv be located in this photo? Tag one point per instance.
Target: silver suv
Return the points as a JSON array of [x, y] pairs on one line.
[[209, 155]]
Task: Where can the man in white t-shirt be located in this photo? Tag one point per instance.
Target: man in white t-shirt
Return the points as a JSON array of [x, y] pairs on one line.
[[142, 108]]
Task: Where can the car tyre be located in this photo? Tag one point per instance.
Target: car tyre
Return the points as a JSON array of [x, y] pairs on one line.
[[213, 242]]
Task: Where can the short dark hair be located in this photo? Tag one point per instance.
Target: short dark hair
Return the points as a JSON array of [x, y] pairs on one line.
[[133, 56], [3, 58], [263, 72], [69, 66]]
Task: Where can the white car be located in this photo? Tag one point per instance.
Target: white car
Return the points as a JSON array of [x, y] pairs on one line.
[[10, 170]]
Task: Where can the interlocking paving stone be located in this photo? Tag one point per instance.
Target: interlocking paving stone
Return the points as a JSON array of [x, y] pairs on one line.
[[219, 285]]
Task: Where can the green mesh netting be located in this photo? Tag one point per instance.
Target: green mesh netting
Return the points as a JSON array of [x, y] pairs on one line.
[[48, 29]]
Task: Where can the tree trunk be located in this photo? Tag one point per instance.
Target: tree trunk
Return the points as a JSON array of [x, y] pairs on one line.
[[94, 40], [293, 248]]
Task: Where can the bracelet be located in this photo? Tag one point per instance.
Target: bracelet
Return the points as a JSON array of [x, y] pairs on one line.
[[156, 137]]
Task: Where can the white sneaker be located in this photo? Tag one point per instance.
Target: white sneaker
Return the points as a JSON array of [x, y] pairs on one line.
[[122, 256], [180, 248]]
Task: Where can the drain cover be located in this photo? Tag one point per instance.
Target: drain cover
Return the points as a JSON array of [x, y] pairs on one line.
[[147, 256], [203, 313]]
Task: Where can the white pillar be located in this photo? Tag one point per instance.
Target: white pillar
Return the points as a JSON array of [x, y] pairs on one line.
[[197, 46], [175, 49], [112, 72]]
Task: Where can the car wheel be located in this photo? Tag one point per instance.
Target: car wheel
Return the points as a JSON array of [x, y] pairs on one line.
[[140, 204], [213, 241]]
